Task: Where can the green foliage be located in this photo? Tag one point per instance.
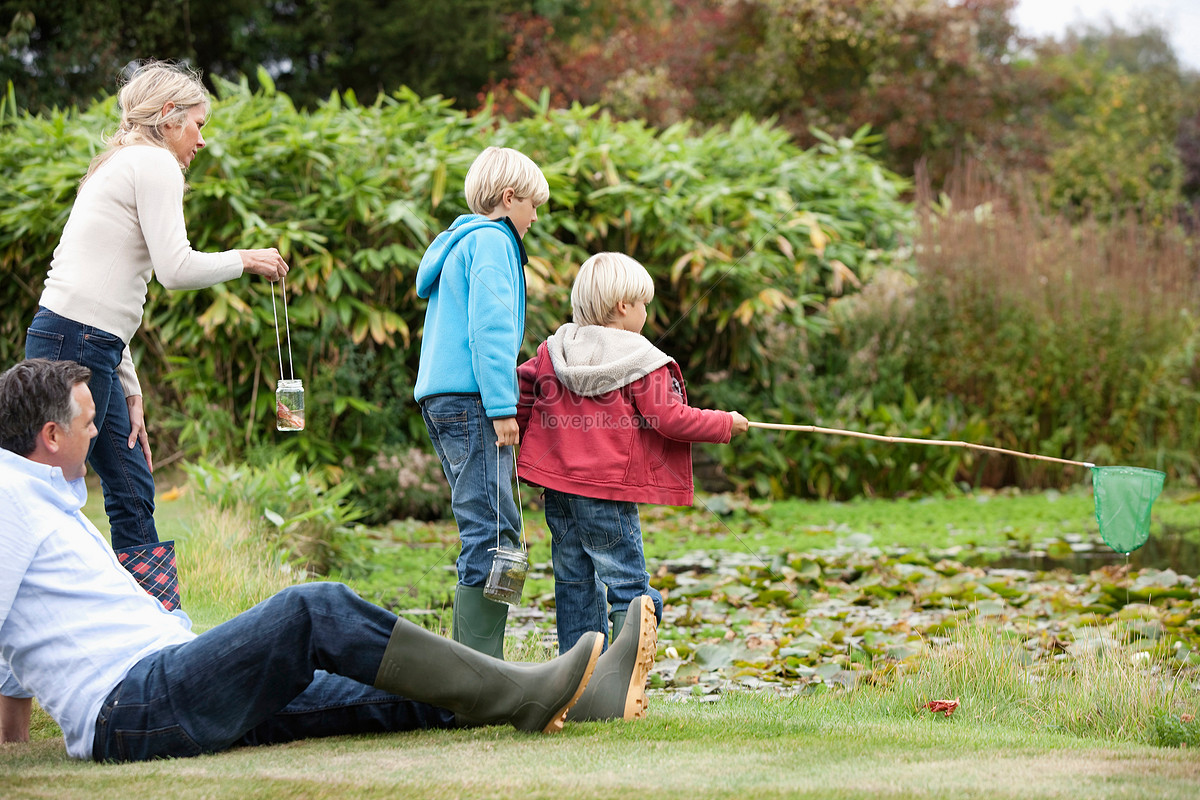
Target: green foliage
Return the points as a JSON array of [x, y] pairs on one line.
[[745, 234], [939, 80], [1097, 120], [1072, 341], [782, 280], [299, 509], [1175, 730], [60, 54], [935, 78], [403, 483], [1119, 104]]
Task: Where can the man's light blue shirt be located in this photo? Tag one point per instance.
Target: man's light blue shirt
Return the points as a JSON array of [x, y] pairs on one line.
[[72, 620]]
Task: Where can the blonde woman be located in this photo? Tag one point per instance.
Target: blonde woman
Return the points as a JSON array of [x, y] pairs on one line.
[[126, 225]]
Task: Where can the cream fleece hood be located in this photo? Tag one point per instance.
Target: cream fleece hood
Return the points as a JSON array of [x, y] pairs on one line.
[[592, 359]]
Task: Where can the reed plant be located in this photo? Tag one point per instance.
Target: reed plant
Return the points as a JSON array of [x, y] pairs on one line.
[[1075, 340], [227, 565], [303, 512], [1098, 687]]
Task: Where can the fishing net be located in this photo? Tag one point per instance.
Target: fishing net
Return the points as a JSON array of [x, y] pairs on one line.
[[1124, 496]]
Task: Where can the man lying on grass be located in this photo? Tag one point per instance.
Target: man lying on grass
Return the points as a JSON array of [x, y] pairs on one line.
[[126, 680]]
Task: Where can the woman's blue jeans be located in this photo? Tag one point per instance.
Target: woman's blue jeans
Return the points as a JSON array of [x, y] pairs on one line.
[[124, 476], [299, 665], [594, 544], [481, 480]]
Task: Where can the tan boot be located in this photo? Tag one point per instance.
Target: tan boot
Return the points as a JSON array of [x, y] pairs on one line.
[[617, 689], [428, 668]]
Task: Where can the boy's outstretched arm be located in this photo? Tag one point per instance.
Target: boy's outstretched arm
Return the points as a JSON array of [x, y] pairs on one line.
[[659, 401]]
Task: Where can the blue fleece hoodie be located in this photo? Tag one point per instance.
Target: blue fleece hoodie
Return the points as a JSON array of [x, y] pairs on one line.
[[474, 277]]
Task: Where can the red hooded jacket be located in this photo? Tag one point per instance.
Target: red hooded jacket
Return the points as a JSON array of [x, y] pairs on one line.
[[630, 443]]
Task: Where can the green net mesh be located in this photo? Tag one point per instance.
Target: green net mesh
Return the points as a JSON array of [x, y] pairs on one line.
[[1124, 496]]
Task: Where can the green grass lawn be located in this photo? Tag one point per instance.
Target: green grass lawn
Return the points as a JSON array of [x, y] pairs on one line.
[[875, 741], [744, 746]]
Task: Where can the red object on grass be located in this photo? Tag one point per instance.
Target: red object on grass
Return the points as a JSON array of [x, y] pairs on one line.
[[946, 707]]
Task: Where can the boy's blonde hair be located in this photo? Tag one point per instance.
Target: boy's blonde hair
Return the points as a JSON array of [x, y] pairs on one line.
[[500, 168], [604, 280]]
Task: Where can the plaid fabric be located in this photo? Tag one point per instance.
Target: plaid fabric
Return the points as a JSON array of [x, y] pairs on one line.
[[153, 566]]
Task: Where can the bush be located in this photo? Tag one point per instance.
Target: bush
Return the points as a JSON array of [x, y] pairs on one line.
[[745, 234], [1072, 341], [1175, 730], [402, 484], [306, 513]]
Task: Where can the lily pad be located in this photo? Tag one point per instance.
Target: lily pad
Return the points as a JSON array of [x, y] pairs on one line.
[[904, 650], [687, 675], [807, 569], [715, 656], [989, 608], [867, 615], [827, 670]]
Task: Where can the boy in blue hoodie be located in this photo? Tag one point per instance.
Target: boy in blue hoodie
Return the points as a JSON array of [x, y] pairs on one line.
[[473, 275]]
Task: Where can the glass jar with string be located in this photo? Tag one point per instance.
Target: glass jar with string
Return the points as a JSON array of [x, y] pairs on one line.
[[289, 392]]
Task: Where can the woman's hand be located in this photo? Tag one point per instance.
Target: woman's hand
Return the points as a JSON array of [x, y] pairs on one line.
[[267, 263], [137, 427]]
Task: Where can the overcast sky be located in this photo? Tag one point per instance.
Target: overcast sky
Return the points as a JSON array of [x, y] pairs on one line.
[[1180, 17]]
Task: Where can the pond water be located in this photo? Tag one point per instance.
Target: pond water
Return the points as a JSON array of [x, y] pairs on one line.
[[1171, 548]]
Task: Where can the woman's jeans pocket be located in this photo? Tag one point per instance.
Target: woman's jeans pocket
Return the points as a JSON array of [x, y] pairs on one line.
[[40, 344]]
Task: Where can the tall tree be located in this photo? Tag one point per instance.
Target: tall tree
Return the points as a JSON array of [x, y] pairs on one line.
[[64, 52], [1117, 119], [937, 78], [452, 47]]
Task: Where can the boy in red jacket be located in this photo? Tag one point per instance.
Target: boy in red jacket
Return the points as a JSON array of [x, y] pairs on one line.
[[605, 425]]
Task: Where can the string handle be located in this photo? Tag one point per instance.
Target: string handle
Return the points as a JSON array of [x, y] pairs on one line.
[[516, 496], [779, 426], [287, 327]]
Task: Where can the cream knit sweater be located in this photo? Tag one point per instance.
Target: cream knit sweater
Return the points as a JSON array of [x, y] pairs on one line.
[[127, 222]]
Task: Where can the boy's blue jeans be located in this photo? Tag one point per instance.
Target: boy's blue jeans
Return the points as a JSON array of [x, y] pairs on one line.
[[481, 480], [299, 665], [126, 480], [594, 542]]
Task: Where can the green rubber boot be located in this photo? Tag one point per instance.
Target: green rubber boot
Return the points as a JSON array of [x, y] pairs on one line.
[[618, 622], [428, 668], [617, 690], [479, 622]]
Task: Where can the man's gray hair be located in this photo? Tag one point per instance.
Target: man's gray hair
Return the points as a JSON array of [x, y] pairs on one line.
[[34, 392]]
